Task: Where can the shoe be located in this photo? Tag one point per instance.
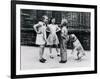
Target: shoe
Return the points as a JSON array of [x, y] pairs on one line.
[[42, 60], [51, 57], [79, 58], [84, 54], [58, 54], [63, 61]]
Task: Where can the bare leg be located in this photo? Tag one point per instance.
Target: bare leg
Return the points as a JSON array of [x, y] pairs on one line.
[[58, 53], [50, 49], [57, 49], [41, 54], [51, 56], [41, 51]]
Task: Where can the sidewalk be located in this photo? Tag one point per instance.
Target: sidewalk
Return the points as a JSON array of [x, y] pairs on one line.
[[30, 59]]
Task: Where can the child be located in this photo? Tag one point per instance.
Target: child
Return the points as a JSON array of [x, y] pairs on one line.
[[52, 38], [40, 29], [64, 39]]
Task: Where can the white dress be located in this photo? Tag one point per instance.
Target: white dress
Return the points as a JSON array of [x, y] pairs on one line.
[[53, 38], [40, 38]]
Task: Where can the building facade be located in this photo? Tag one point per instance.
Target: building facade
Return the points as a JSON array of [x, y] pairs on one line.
[[78, 23]]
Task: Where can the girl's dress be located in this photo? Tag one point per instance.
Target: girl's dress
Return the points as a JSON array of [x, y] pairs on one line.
[[41, 35], [52, 38]]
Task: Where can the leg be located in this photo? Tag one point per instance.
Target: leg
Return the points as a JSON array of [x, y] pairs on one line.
[[58, 53], [41, 54], [41, 51], [51, 56], [73, 50], [50, 49], [78, 57], [57, 48], [63, 53], [82, 54]]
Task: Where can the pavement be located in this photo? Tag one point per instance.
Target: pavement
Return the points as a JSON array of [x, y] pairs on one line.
[[30, 59]]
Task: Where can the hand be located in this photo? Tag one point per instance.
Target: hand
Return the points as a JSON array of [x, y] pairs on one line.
[[39, 32], [71, 52], [45, 42]]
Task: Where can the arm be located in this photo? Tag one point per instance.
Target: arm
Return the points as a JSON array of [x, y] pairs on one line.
[[44, 34], [48, 29], [36, 26], [58, 29], [64, 33]]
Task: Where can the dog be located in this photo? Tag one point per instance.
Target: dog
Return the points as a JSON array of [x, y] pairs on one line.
[[77, 46]]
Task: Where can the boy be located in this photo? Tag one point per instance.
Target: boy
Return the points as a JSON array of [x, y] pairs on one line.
[[64, 39]]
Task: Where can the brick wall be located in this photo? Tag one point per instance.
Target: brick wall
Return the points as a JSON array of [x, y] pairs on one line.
[[78, 23]]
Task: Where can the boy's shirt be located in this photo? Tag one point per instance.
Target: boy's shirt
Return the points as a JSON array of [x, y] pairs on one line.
[[64, 32]]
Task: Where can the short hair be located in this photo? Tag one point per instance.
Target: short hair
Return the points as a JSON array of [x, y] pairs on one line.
[[43, 17], [64, 22]]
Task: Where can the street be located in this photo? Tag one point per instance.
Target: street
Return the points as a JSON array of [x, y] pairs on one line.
[[30, 59]]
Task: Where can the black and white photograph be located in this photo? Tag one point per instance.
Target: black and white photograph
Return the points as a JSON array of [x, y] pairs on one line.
[[54, 39]]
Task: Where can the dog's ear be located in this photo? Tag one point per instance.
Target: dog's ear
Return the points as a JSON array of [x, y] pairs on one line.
[[72, 37], [75, 37]]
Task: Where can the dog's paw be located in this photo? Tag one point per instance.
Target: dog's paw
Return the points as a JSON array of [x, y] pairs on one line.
[[71, 52], [79, 58]]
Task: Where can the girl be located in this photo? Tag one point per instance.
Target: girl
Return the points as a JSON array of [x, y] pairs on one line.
[[40, 29], [52, 38], [64, 39]]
